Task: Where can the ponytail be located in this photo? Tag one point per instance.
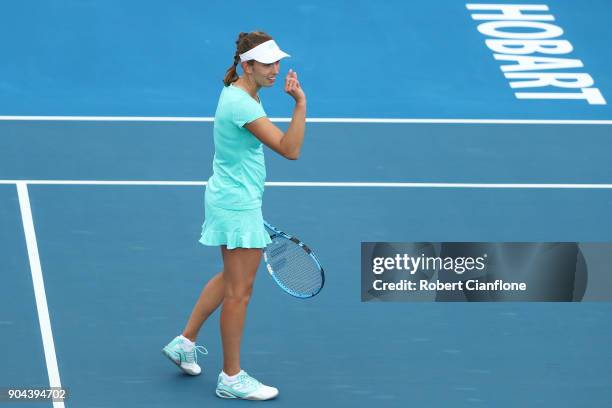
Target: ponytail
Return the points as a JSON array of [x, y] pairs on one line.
[[231, 75]]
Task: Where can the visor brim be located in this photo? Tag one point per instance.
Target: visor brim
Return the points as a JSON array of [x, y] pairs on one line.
[[269, 59]]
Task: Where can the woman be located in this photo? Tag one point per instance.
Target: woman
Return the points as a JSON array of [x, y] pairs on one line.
[[233, 199]]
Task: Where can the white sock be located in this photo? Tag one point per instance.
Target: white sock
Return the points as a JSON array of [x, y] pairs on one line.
[[229, 378]]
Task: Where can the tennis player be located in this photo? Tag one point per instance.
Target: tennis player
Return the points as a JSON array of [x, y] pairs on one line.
[[232, 205]]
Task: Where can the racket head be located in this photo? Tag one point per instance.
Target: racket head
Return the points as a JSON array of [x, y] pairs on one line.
[[292, 265]]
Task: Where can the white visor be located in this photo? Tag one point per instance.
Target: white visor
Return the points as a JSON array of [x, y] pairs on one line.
[[265, 53]]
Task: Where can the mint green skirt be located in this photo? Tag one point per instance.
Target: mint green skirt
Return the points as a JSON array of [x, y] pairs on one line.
[[234, 228]]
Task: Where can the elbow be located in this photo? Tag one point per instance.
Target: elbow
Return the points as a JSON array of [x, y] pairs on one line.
[[292, 155]]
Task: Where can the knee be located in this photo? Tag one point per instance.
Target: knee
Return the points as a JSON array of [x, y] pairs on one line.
[[238, 293]]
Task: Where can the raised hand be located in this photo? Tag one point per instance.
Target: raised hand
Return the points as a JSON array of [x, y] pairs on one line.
[[293, 88]]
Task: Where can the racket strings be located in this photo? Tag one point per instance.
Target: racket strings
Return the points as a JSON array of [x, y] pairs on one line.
[[293, 267]]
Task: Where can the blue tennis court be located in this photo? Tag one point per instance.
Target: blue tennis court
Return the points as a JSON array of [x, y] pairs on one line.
[[414, 133]]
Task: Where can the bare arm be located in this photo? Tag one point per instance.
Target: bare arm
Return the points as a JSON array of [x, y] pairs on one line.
[[288, 144]]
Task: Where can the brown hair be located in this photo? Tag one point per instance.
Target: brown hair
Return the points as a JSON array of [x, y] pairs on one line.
[[245, 42]]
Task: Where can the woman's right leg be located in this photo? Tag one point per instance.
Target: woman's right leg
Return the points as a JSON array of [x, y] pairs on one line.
[[209, 300], [239, 269]]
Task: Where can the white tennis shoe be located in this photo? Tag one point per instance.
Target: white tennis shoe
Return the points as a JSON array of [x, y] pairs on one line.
[[183, 353]]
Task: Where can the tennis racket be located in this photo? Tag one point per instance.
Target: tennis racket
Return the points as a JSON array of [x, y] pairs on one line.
[[292, 265]]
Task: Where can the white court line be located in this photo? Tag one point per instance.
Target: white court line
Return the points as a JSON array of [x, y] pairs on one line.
[[39, 289], [311, 120], [317, 184]]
